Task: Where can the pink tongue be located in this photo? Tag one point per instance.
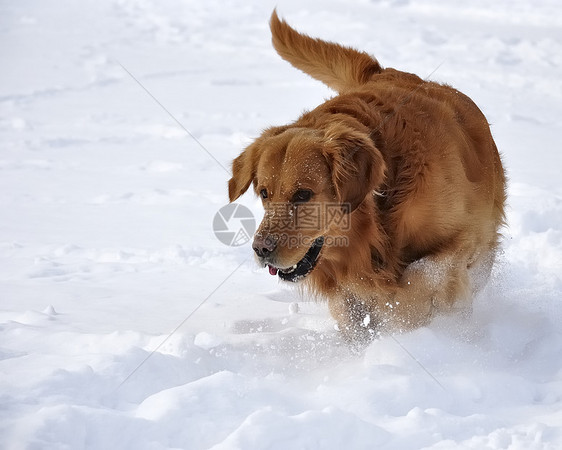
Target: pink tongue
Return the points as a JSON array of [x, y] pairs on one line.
[[272, 270]]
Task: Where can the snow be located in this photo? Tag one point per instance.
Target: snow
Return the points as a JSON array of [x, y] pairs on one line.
[[125, 323]]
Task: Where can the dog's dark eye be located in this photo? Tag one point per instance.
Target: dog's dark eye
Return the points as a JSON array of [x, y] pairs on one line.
[[302, 196], [263, 193]]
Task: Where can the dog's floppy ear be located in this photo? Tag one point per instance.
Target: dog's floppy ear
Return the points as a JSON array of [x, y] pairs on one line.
[[245, 165], [357, 166], [243, 173]]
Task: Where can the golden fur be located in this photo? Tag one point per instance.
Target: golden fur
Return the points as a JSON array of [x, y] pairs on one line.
[[417, 166]]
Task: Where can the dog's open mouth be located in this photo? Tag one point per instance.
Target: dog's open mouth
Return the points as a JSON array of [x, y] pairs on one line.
[[303, 267]]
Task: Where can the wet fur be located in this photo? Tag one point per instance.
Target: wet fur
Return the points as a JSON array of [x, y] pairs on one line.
[[418, 165]]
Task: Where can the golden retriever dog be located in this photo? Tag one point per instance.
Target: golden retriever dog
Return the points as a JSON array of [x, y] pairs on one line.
[[386, 200]]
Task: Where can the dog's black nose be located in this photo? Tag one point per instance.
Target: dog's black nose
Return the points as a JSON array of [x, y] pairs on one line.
[[264, 245]]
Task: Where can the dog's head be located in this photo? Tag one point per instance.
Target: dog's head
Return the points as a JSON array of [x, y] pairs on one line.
[[309, 181]]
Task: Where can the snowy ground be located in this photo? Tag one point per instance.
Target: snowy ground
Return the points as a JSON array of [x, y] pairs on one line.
[[106, 241]]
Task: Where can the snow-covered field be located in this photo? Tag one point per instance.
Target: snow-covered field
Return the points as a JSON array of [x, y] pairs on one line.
[[125, 323]]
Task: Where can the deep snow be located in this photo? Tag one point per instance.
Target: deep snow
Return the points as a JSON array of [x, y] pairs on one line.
[[125, 323]]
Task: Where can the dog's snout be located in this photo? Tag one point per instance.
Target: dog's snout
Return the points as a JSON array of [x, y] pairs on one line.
[[264, 245]]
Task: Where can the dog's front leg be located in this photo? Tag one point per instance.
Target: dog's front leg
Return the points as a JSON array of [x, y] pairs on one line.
[[357, 320], [435, 283]]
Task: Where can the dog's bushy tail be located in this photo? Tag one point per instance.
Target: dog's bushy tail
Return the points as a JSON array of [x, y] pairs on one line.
[[340, 68]]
